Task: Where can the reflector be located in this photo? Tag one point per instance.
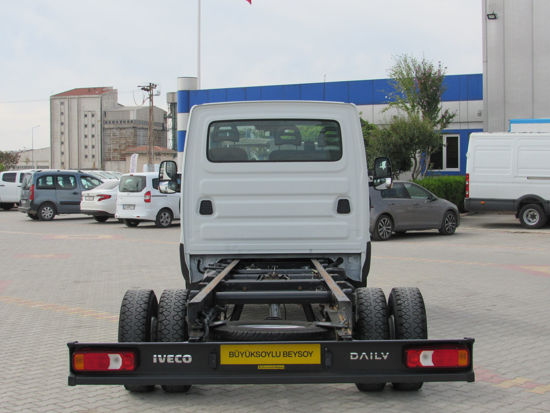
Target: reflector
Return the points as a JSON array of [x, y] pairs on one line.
[[104, 361]]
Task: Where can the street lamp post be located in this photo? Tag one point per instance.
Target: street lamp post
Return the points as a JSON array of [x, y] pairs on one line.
[[32, 145]]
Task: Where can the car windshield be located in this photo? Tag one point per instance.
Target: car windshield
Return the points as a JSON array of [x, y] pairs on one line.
[[274, 140], [132, 183], [108, 185]]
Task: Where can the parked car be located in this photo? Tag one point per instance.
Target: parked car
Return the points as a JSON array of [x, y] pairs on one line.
[[10, 187], [407, 206], [100, 202], [46, 193], [139, 200]]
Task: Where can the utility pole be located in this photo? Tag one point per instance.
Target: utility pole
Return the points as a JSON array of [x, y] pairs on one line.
[[150, 154]]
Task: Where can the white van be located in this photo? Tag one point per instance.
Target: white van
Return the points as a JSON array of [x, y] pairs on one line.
[[10, 187], [138, 199], [510, 172]]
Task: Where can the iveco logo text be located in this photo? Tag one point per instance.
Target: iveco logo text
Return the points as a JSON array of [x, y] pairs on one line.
[[373, 355], [172, 358]]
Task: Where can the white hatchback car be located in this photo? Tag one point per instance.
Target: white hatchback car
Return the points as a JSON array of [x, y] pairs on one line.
[[10, 187], [100, 202], [138, 200]]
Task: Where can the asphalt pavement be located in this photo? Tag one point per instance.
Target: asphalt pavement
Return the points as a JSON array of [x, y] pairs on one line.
[[63, 281]]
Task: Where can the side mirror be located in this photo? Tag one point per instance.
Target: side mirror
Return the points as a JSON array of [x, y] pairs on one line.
[[169, 179], [382, 174]]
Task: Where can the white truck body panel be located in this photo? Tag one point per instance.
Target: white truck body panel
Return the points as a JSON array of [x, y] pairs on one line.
[[503, 168], [275, 207]]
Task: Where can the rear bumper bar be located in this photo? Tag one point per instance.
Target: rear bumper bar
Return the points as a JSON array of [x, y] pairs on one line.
[[340, 362]]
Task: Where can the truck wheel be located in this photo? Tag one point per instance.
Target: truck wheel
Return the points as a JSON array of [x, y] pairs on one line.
[[6, 206], [164, 218], [383, 228], [371, 323], [448, 226], [532, 216], [172, 326], [270, 330], [407, 320], [138, 323], [46, 212], [131, 223], [100, 218]]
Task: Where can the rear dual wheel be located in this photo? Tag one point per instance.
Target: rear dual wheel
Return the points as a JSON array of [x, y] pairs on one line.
[[407, 321], [404, 318], [172, 326], [138, 323]]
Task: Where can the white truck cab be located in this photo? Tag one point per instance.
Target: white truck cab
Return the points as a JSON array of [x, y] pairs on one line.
[[275, 180]]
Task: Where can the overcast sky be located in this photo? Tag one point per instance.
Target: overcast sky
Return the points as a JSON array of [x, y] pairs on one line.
[[50, 46]]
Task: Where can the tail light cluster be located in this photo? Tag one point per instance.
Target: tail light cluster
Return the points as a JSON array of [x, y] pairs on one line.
[[31, 193], [147, 197], [104, 361], [467, 185], [103, 197], [437, 357]]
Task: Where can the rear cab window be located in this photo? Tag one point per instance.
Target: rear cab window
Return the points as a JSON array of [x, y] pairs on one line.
[[132, 183], [9, 176], [274, 140]]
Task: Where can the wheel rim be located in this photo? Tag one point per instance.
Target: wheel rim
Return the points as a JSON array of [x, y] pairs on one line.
[[384, 228], [46, 212], [450, 223], [531, 216], [165, 219]]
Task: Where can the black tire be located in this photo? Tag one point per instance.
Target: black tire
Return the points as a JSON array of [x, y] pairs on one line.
[[532, 216], [270, 330], [407, 315], [138, 323], [164, 218], [6, 206], [172, 326], [46, 211], [131, 223], [34, 217], [371, 323], [449, 223], [383, 228], [101, 219]]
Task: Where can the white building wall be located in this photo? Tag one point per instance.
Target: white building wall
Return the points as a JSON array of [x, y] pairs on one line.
[[516, 58]]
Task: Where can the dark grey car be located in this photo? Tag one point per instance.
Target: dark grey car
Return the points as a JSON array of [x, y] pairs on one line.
[[47, 193], [407, 206]]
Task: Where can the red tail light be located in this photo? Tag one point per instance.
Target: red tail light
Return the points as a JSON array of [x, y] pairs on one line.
[[104, 361], [147, 196], [31, 194], [438, 358], [103, 197], [467, 185]]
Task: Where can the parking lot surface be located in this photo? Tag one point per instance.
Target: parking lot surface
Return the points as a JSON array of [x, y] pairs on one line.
[[63, 281]]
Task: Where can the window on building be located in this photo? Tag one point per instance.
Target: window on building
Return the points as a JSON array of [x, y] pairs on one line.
[[85, 125], [85, 146], [447, 158], [86, 156], [61, 132], [93, 115], [85, 115], [93, 146], [62, 123], [62, 113]]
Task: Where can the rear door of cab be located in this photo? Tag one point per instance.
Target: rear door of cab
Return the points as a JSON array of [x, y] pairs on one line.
[[275, 207]]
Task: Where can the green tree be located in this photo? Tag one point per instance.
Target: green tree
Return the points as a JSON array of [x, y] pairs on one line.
[[418, 88], [9, 159]]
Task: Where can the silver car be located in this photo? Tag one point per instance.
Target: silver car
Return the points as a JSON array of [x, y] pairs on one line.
[[408, 206]]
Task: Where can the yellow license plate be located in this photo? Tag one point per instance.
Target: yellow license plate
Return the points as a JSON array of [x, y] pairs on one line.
[[270, 354]]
